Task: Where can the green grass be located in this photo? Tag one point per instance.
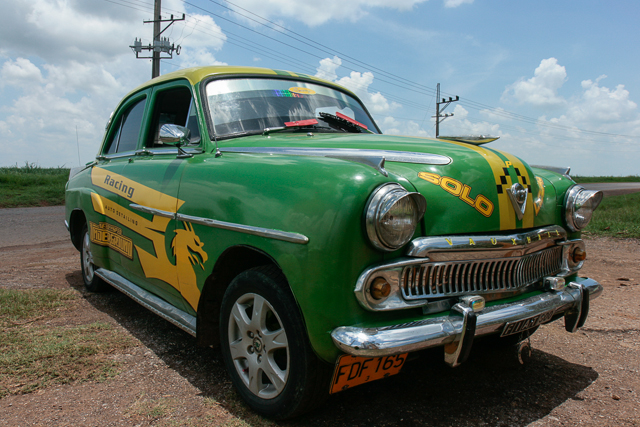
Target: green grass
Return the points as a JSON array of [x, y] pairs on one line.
[[617, 216], [17, 306], [590, 179], [32, 185], [34, 354]]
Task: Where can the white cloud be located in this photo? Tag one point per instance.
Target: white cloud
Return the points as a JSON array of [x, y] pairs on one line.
[[198, 31], [328, 67], [66, 64], [198, 57], [313, 12], [542, 89], [393, 126], [460, 124], [456, 3], [67, 30], [358, 83], [41, 120], [20, 72], [602, 105]]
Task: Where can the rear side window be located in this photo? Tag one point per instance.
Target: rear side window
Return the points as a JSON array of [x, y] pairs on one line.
[[125, 137]]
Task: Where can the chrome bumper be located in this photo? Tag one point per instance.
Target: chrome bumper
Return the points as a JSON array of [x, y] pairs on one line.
[[457, 329]]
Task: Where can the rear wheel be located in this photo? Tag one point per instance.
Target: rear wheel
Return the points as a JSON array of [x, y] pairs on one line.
[[266, 349], [92, 282]]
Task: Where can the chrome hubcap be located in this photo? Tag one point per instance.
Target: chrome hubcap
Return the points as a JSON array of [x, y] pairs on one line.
[[87, 258], [258, 346]]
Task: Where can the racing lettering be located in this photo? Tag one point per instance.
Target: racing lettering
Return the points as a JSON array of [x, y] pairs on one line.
[[119, 185], [462, 191], [451, 185]]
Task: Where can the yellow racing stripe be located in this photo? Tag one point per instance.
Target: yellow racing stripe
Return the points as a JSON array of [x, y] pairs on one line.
[[508, 219]]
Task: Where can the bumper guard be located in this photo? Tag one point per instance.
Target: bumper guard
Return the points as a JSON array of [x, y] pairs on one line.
[[457, 330]]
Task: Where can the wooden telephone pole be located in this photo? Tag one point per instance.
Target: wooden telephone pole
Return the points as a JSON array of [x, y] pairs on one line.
[[159, 45], [441, 117]]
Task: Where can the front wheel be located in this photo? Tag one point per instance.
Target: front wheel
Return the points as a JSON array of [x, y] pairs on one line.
[[92, 282], [265, 346]]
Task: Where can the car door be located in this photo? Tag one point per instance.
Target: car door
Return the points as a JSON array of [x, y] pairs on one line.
[[163, 247], [107, 219]]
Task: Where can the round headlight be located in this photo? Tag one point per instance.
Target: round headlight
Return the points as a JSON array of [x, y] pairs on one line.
[[392, 215], [579, 206]]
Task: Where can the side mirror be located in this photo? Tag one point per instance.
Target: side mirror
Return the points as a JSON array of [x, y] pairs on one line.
[[174, 135]]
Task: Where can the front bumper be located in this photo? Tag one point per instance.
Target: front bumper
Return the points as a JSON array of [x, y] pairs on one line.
[[457, 329]]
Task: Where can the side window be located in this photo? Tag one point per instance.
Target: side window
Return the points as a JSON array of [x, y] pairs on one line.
[[125, 138], [173, 106], [192, 123]]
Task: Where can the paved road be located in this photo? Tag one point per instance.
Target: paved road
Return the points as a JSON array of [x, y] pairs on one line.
[[31, 226], [614, 188]]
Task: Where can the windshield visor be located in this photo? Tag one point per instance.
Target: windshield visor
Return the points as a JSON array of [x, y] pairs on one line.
[[247, 106]]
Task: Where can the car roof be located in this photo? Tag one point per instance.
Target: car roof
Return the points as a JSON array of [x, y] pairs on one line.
[[197, 74]]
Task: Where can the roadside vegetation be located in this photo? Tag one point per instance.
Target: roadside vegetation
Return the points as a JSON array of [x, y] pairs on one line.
[[31, 185], [617, 216], [591, 179], [37, 351]]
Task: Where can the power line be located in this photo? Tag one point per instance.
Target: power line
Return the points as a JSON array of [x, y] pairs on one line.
[[397, 81], [471, 104]]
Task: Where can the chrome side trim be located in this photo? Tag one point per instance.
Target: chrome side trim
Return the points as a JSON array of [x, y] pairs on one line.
[[179, 318], [66, 224], [256, 231], [247, 229], [152, 211], [373, 158], [445, 329], [524, 242]]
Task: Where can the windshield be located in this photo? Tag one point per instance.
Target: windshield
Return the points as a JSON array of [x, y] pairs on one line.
[[251, 105]]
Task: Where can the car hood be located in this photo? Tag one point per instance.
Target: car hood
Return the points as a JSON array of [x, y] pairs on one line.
[[462, 183]]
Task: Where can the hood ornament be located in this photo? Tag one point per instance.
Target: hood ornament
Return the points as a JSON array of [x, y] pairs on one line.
[[518, 195]]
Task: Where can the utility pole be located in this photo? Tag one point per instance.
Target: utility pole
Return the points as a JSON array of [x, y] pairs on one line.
[[160, 45], [441, 117], [155, 62]]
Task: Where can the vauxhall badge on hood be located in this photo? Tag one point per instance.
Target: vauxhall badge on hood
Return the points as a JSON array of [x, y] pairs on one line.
[[518, 195]]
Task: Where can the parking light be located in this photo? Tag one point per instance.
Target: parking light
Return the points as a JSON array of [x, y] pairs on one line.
[[380, 288]]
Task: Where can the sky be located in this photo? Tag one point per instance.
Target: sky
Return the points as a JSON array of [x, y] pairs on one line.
[[557, 81]]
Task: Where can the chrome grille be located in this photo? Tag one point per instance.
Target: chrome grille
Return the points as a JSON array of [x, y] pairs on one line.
[[452, 278]]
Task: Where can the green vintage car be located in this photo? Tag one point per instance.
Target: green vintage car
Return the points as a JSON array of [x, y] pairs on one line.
[[263, 211]]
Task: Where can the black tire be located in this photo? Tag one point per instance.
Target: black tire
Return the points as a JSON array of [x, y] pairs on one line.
[[266, 349], [92, 282]]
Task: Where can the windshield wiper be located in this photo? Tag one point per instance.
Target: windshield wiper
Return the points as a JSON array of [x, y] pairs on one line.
[[344, 122], [292, 125]]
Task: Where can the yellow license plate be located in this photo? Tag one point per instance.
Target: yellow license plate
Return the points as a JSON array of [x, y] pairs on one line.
[[353, 370]]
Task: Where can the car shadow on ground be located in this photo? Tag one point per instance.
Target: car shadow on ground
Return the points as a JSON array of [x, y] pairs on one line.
[[489, 389]]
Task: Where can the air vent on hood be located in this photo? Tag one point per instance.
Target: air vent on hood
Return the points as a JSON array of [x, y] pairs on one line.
[[471, 139]]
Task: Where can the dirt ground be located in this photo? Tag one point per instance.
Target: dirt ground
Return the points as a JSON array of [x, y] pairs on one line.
[[587, 378]]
